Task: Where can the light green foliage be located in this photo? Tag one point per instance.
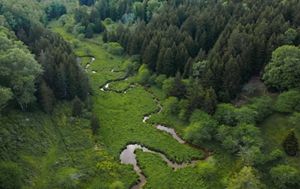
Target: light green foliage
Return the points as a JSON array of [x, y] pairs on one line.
[[160, 80], [117, 185], [202, 129], [18, 69], [143, 75], [29, 8], [58, 151], [241, 137], [283, 72], [246, 115], [171, 106], [208, 170], [263, 107], [285, 177], [288, 102], [159, 175], [226, 114], [5, 96], [245, 179], [114, 48], [199, 68]]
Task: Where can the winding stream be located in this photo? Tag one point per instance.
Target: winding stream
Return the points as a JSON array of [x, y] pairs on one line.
[[128, 155]]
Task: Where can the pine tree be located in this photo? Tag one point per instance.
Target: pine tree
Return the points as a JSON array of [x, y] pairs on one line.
[[210, 101], [77, 107], [89, 32], [95, 124], [150, 55], [290, 144], [46, 97]]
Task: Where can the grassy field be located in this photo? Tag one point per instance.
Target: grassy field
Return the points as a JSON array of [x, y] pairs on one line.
[[121, 114], [274, 130], [58, 151]]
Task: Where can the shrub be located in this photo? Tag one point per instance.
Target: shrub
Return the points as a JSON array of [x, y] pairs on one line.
[[288, 102], [77, 107], [245, 179], [226, 114], [143, 75], [202, 131], [285, 176], [290, 144], [95, 124], [263, 106], [10, 176], [171, 106], [115, 49]]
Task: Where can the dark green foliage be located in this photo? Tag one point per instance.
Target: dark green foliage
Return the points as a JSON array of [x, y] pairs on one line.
[[235, 39], [226, 114], [55, 10], [95, 124], [10, 176], [290, 144], [47, 97], [285, 177], [89, 31], [77, 107], [62, 74], [87, 2], [243, 137]]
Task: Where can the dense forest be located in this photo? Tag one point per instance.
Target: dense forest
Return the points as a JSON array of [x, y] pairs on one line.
[[149, 94]]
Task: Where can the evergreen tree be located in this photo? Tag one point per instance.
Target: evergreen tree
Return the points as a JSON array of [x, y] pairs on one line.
[[150, 55], [210, 101], [89, 32], [95, 124], [46, 97], [77, 107], [290, 144]]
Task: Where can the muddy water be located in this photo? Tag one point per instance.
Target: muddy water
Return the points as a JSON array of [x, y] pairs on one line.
[[128, 156], [172, 132]]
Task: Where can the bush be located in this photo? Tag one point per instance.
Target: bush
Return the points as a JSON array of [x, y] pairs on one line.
[[77, 107], [207, 170], [171, 106], [202, 131], [285, 177], [115, 49], [10, 176], [290, 144], [160, 80], [245, 179], [226, 114], [263, 106], [242, 137], [95, 124], [117, 185], [143, 75], [246, 115], [288, 102]]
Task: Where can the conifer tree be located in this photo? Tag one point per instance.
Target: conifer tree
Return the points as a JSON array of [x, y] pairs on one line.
[[95, 124], [46, 97], [77, 107], [290, 144]]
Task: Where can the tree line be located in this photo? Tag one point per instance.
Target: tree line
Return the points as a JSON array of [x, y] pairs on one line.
[[59, 76]]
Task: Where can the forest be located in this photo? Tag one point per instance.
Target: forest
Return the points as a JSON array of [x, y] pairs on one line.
[[149, 94]]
